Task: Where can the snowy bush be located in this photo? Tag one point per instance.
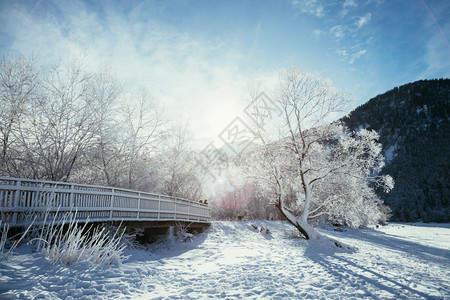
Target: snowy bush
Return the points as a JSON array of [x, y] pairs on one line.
[[6, 246], [182, 234], [65, 241], [130, 242], [4, 228]]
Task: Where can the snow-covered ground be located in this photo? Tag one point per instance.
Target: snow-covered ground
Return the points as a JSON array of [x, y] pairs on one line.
[[230, 260]]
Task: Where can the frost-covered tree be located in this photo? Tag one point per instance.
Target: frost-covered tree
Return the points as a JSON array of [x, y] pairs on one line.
[[58, 124], [318, 168], [19, 85], [130, 130], [344, 175], [102, 157], [180, 174], [67, 122], [141, 134]]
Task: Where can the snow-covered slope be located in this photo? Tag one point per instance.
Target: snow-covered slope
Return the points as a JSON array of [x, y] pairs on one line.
[[413, 122], [232, 260]]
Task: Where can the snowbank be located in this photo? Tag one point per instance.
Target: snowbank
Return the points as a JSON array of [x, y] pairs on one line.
[[232, 260]]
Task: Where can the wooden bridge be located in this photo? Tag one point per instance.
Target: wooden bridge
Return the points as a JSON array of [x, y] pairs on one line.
[[23, 200]]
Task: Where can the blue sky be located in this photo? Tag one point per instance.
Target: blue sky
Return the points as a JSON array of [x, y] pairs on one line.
[[197, 57]]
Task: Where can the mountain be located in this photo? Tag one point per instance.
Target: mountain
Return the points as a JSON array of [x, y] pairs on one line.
[[413, 122]]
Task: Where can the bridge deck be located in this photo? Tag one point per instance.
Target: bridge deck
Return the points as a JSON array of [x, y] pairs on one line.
[[22, 200]]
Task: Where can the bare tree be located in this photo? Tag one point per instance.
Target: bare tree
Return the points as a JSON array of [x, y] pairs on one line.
[[180, 173], [106, 149], [61, 124], [143, 132], [18, 87]]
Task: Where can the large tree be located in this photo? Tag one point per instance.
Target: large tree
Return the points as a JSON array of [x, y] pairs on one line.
[[19, 86], [180, 174], [317, 167]]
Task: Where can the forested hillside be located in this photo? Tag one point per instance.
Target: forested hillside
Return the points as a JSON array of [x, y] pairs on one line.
[[413, 124]]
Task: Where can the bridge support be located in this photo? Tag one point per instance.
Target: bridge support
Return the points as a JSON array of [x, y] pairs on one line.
[[189, 226], [151, 231]]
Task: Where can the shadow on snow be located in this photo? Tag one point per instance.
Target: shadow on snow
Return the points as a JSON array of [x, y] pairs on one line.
[[347, 271]]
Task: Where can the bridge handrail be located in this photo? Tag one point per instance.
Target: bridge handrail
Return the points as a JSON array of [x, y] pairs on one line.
[[20, 198]]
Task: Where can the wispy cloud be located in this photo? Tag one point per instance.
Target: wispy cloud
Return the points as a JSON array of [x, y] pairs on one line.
[[356, 55], [195, 79], [437, 54], [350, 28], [363, 21], [345, 29], [342, 52], [318, 32], [312, 7], [338, 31], [437, 47], [348, 4]]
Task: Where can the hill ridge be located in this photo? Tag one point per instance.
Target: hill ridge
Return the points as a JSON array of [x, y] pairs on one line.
[[414, 124]]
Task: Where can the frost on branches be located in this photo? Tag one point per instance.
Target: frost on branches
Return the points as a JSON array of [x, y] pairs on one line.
[[319, 170]]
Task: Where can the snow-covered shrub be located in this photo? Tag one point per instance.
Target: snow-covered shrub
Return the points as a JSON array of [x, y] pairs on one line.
[[130, 242], [65, 241], [6, 245], [264, 228], [182, 234], [4, 228]]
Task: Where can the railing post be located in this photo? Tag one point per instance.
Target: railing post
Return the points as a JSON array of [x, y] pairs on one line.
[[16, 201], [139, 205], [159, 206], [112, 204], [176, 203], [72, 190]]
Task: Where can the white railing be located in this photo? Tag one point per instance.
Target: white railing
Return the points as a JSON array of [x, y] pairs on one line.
[[24, 199]]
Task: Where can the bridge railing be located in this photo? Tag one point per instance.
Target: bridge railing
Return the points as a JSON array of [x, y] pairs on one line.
[[22, 200]]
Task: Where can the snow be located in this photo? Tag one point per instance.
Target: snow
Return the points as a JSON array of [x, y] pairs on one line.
[[391, 153], [361, 127], [233, 260]]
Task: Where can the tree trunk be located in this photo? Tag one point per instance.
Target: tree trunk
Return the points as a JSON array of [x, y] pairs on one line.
[[291, 219], [301, 223]]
